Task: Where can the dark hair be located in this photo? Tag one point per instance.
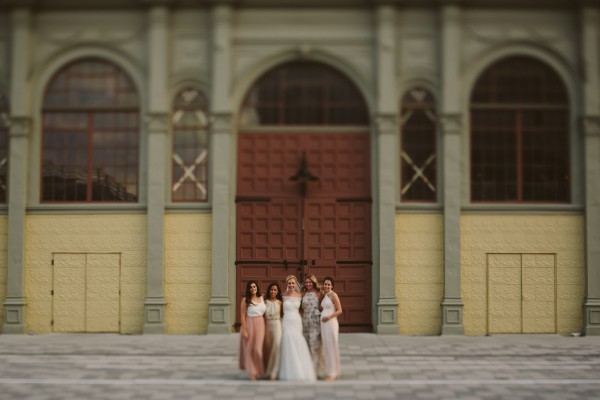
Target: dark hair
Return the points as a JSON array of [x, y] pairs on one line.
[[268, 292], [330, 279], [249, 295]]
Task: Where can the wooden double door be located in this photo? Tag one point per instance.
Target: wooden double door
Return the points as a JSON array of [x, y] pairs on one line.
[[304, 207]]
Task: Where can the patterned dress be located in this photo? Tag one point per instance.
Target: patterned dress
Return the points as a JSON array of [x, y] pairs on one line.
[[311, 327]]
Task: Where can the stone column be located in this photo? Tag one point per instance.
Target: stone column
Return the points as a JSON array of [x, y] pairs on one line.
[[157, 128], [19, 133], [219, 306], [591, 135], [387, 153], [451, 125]]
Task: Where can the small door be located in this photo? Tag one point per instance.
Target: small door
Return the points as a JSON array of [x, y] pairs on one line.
[[86, 292], [521, 293], [69, 293]]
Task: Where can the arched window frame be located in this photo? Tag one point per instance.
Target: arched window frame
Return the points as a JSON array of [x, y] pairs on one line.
[[101, 156], [418, 146], [548, 104], [190, 146], [303, 93], [4, 143]]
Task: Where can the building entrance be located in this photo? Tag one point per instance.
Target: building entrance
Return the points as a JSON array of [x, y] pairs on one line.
[[304, 207]]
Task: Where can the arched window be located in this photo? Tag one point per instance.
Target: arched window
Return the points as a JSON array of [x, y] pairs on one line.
[[418, 147], [520, 134], [304, 93], [190, 146], [90, 145], [3, 148]]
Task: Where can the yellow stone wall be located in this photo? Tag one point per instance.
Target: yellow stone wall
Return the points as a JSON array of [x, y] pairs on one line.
[[187, 272], [527, 254], [80, 234], [3, 260], [419, 273]]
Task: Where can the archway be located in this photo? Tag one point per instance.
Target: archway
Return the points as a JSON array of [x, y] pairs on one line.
[[303, 199]]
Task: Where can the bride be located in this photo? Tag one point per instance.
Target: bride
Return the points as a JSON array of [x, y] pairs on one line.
[[296, 364]]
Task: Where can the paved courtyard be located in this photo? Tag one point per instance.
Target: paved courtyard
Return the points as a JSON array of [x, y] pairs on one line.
[[147, 367]]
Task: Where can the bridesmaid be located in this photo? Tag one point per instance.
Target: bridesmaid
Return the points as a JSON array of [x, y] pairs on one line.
[[330, 329], [311, 317], [273, 332], [252, 331]]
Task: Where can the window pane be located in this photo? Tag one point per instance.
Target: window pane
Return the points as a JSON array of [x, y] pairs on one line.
[[519, 134], [190, 147], [418, 147], [91, 83], [64, 162], [90, 135], [303, 93], [493, 156]]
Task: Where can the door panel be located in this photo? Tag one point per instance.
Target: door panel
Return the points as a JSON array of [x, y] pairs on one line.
[[521, 293], [86, 289], [68, 306], [289, 226]]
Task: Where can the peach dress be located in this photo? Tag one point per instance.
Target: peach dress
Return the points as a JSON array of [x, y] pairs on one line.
[[251, 348]]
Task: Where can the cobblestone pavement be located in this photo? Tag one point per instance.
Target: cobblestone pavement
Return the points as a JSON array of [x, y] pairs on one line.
[[148, 367]]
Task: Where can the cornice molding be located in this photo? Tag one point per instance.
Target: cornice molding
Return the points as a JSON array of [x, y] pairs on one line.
[[157, 122], [387, 123], [221, 122], [451, 124], [591, 125], [123, 4], [19, 126]]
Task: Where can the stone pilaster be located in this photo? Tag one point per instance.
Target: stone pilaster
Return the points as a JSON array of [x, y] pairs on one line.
[[451, 125], [387, 304], [15, 302], [590, 40], [386, 124], [591, 306], [219, 306], [452, 305], [157, 129], [19, 134]]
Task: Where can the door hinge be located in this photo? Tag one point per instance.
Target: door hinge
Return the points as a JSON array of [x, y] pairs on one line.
[[52, 262], [52, 323], [51, 292]]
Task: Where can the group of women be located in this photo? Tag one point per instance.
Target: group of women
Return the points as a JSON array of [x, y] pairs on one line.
[[291, 335]]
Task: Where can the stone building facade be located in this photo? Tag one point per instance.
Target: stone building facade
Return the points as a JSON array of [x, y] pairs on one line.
[[149, 150]]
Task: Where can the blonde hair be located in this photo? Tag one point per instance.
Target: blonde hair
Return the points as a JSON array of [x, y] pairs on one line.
[[315, 282], [290, 277]]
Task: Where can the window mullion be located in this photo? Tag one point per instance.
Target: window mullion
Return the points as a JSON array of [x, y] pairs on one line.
[[519, 150], [90, 161]]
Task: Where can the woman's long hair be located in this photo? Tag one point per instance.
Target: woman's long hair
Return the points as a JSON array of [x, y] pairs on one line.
[[314, 281], [249, 294]]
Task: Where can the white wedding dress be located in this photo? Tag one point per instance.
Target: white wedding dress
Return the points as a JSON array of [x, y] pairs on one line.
[[295, 363]]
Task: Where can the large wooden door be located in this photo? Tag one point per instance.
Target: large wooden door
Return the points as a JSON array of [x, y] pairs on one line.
[[290, 225]]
